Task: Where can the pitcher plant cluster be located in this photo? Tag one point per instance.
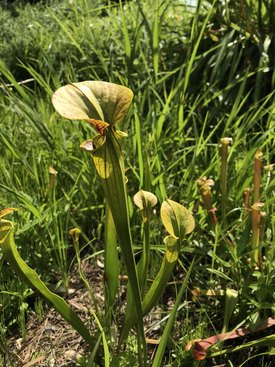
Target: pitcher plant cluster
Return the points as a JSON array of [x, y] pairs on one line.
[[254, 209], [104, 105]]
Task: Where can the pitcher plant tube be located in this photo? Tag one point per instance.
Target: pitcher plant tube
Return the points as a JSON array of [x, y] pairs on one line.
[[103, 105]]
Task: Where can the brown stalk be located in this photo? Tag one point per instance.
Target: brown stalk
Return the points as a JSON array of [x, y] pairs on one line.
[[204, 185]]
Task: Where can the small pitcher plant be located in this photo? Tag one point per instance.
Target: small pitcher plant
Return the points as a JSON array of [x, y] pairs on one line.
[[104, 105]]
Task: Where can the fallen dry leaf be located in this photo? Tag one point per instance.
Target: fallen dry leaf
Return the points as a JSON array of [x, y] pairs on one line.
[[200, 346]]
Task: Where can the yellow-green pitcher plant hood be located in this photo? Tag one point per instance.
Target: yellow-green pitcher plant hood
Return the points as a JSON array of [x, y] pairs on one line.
[[99, 103]]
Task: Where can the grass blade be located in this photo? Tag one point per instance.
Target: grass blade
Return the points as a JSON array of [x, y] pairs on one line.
[[29, 276], [167, 331]]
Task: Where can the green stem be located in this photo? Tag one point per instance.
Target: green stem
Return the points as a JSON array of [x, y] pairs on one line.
[[224, 157], [111, 265], [107, 157], [155, 291], [157, 362], [158, 285], [145, 258], [255, 213], [257, 175]]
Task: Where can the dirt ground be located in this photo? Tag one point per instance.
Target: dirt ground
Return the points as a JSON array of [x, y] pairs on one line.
[[52, 342]]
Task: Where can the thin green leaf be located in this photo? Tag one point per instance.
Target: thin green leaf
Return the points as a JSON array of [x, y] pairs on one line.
[[29, 276], [168, 328], [231, 298]]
